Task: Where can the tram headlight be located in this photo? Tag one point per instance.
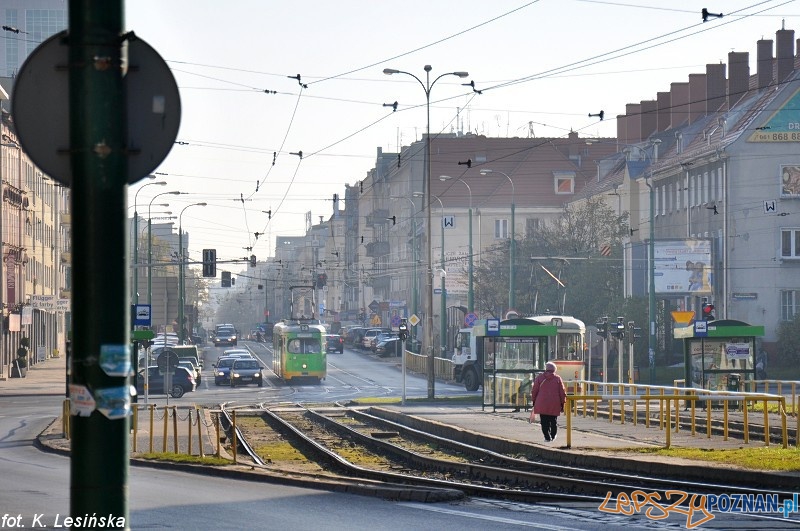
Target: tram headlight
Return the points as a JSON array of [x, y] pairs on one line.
[[305, 366]]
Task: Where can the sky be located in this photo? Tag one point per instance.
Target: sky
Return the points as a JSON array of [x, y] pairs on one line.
[[542, 67]]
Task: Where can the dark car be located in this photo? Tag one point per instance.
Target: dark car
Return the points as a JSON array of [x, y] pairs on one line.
[[178, 383], [246, 371], [391, 346], [222, 370], [225, 336], [335, 343]]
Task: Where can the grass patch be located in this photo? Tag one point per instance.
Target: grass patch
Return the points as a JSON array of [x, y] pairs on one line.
[[771, 458], [183, 458]]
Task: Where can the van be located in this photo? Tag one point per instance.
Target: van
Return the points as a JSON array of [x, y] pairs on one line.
[[182, 351]]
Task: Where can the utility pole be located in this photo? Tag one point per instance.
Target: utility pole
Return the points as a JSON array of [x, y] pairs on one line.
[[100, 435]]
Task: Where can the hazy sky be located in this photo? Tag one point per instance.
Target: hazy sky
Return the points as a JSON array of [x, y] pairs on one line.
[[542, 66]]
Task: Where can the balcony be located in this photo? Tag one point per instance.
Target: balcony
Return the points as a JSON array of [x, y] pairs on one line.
[[378, 217], [377, 249]]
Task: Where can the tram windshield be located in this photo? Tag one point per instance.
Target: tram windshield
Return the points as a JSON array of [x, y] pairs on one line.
[[567, 346], [303, 345]]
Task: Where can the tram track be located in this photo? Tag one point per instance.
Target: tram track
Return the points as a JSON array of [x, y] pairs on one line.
[[356, 444]]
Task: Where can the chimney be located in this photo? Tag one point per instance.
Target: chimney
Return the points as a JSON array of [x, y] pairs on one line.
[[664, 100], [633, 112], [622, 128], [739, 76], [680, 103], [764, 63], [784, 47], [697, 97], [715, 87], [649, 118]]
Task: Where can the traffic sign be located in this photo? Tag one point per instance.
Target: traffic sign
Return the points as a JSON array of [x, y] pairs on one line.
[[395, 321], [41, 103], [142, 315], [413, 320], [470, 319]]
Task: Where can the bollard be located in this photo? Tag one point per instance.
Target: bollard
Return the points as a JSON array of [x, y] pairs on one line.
[[216, 427], [725, 420], [189, 420], [175, 429], [65, 414], [693, 413], [199, 433], [744, 420], [647, 408], [677, 415], [165, 433], [669, 431], [569, 422], [708, 417], [152, 415], [766, 424], [784, 432], [135, 425]]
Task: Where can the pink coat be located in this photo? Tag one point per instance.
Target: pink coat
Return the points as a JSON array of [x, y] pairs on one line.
[[548, 394]]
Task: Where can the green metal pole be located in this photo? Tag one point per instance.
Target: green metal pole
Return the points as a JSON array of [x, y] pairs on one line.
[[443, 309], [414, 255], [651, 292], [471, 292], [512, 298], [100, 309]]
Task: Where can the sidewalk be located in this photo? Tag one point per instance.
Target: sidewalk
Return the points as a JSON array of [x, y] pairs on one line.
[[48, 377]]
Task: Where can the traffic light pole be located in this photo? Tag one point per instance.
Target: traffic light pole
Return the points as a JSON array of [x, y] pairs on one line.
[[101, 357]]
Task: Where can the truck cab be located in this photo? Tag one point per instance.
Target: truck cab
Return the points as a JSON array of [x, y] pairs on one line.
[[467, 360]]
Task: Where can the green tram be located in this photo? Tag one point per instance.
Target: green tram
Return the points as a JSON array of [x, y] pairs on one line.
[[299, 351]]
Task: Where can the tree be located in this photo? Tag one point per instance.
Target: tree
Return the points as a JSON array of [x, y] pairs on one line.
[[581, 282]]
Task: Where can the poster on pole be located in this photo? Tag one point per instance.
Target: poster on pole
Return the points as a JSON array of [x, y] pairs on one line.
[[683, 266]]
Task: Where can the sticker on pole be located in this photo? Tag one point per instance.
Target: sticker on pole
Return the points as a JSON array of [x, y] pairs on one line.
[[81, 401]]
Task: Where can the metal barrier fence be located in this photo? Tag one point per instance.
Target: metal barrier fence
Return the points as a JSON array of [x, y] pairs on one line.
[[418, 363], [181, 428], [669, 411]]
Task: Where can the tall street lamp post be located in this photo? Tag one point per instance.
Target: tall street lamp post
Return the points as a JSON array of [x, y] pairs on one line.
[[136, 236], [181, 274], [427, 86], [150, 244], [470, 292], [443, 298], [512, 298]]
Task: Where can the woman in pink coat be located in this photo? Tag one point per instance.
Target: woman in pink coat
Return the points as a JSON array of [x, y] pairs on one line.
[[548, 396]]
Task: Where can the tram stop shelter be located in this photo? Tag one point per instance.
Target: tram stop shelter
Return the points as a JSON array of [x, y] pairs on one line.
[[719, 355], [514, 351]]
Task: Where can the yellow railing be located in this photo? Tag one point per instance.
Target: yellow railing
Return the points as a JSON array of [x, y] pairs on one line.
[[669, 411]]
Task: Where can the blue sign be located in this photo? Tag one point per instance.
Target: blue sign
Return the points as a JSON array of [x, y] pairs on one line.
[[142, 315], [492, 327], [701, 329]]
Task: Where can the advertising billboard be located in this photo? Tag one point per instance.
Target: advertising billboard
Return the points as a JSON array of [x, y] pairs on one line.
[[683, 266]]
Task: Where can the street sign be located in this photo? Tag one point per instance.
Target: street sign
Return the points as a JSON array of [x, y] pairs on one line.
[[701, 328], [142, 315], [374, 306], [41, 102], [470, 319], [413, 320], [493, 327]]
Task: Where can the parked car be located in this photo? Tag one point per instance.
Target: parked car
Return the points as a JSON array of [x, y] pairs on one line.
[[225, 336], [354, 336], [381, 337], [246, 371], [179, 382], [390, 346], [222, 370], [369, 335], [335, 343]]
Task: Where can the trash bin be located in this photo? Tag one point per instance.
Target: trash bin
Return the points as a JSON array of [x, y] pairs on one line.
[[734, 383]]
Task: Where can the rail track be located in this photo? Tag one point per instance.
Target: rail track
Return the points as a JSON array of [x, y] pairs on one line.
[[353, 443]]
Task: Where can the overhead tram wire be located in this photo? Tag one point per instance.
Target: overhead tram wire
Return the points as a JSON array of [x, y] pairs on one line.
[[602, 58]]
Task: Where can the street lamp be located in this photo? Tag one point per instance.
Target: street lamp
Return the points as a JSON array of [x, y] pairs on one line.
[[443, 298], [512, 299], [150, 244], [136, 236], [427, 86], [181, 274], [470, 292]]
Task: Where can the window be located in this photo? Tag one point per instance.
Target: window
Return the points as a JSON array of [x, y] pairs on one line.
[[564, 182], [501, 229], [789, 302], [790, 243], [531, 227]]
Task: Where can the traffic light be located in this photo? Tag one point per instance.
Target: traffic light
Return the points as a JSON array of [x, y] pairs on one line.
[[708, 311], [633, 332], [210, 263], [602, 328], [252, 260], [402, 330], [618, 329], [322, 280], [226, 279]]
